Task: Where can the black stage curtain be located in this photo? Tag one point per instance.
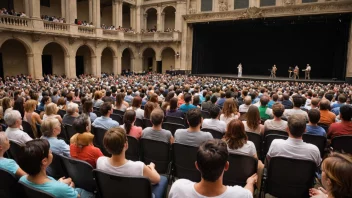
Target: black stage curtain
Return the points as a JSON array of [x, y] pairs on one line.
[[319, 40]]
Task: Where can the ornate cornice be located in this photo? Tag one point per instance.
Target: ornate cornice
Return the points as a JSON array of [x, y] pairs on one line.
[[254, 12]]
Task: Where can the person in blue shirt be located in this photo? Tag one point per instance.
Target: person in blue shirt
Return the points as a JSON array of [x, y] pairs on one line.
[[35, 159], [187, 106], [312, 127], [8, 164], [221, 100], [104, 121]]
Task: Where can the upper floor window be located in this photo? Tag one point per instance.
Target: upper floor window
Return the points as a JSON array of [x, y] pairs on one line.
[[309, 1], [206, 5], [267, 3], [240, 4]]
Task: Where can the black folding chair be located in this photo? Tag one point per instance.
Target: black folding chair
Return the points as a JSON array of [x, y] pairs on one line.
[[97, 112], [216, 134], [257, 139], [324, 126], [132, 152], [184, 157], [342, 143], [139, 122], [8, 184], [172, 127], [118, 112], [61, 112], [32, 192], [15, 150], [109, 186], [287, 177], [269, 139], [56, 169], [28, 129], [147, 123], [241, 167], [157, 152], [277, 132], [205, 114], [117, 118], [317, 140], [80, 173], [98, 139], [69, 131], [172, 119]]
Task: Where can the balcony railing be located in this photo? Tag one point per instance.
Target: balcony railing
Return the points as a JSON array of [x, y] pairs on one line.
[[56, 26], [14, 21], [111, 33], [86, 30]]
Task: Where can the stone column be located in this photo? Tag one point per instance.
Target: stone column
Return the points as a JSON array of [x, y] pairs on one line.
[[163, 21], [37, 62], [145, 21], [34, 9], [71, 11], [158, 26], [132, 17], [119, 12], [132, 64], [30, 63], [67, 66], [63, 9], [98, 65], [115, 18], [96, 13], [72, 65], [26, 7], [90, 4], [349, 58], [114, 65], [216, 5], [119, 65], [93, 63], [138, 21]]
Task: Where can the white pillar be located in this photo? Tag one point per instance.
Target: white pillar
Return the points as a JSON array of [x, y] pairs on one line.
[[37, 62], [119, 65], [119, 12], [132, 15], [90, 4], [30, 63], [138, 19], [114, 13], [72, 66], [114, 65], [71, 11], [96, 13], [93, 67], [63, 9], [159, 25], [145, 19], [98, 65], [34, 8], [26, 7], [67, 66]]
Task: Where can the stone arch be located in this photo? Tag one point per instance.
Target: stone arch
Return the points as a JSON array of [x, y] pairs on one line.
[[169, 6], [62, 45], [152, 7], [168, 59], [25, 43], [131, 48], [112, 49], [85, 60], [149, 59], [53, 58], [151, 19], [146, 47], [91, 48], [107, 60], [127, 59], [169, 18]]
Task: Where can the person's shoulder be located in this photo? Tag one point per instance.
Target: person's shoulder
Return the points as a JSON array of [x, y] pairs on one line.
[[182, 182], [166, 131], [180, 131], [238, 191]]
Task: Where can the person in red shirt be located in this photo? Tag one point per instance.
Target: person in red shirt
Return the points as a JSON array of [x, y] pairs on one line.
[[345, 126], [81, 144]]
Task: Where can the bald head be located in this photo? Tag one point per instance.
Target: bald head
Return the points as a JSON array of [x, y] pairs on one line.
[[264, 100], [247, 100], [314, 102]]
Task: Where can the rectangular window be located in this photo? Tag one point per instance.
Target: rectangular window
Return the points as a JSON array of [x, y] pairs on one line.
[[45, 3], [309, 1], [267, 3], [241, 4], [206, 5]]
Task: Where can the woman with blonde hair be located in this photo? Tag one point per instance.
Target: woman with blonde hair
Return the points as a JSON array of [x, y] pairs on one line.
[[120, 104], [50, 129], [336, 177], [97, 99], [252, 123], [51, 112], [31, 116], [229, 111]]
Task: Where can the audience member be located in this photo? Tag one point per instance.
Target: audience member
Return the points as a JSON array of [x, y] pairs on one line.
[[253, 122], [286, 101], [156, 132], [104, 121], [31, 116], [314, 104], [229, 111], [128, 124], [277, 123], [214, 122], [297, 103], [88, 109], [136, 106], [187, 106], [71, 115], [120, 104], [345, 126], [335, 108], [13, 132], [312, 126], [244, 107], [326, 116], [51, 112], [173, 111], [264, 111]]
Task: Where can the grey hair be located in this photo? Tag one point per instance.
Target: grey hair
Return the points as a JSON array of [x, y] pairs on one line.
[[11, 117], [71, 108], [3, 137]]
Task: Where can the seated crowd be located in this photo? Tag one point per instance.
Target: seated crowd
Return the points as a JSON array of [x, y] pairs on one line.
[[12, 12], [207, 107], [53, 19]]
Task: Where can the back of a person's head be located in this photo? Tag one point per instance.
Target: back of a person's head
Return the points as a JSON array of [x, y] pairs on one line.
[[275, 97], [11, 117], [324, 104], [315, 101], [136, 102], [128, 118], [69, 97], [264, 100], [213, 99], [229, 107], [342, 98], [51, 109], [114, 140], [222, 94], [228, 94], [173, 103], [157, 116], [252, 117], [235, 135], [32, 156], [337, 168], [214, 112], [105, 108], [212, 157], [194, 117], [329, 96], [3, 140], [286, 96], [278, 109], [48, 126], [187, 97], [247, 100], [346, 112], [72, 108], [87, 106], [314, 116], [80, 124], [296, 125], [297, 100]]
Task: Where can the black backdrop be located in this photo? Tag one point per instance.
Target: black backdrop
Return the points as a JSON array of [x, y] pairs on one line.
[[320, 40]]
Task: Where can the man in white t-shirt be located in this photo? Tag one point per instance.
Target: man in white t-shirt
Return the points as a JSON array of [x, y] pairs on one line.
[[212, 155], [297, 103], [244, 107], [214, 122]]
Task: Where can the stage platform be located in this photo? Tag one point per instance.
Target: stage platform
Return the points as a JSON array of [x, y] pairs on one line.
[[267, 78]]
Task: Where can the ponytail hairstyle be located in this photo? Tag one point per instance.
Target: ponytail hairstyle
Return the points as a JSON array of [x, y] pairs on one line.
[[128, 119]]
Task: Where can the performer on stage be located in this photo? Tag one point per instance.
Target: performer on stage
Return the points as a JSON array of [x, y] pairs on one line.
[[273, 71], [307, 72], [296, 72], [290, 72], [239, 70]]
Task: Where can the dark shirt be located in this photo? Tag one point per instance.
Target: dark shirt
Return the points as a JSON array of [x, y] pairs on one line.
[[174, 113], [68, 119], [288, 104]]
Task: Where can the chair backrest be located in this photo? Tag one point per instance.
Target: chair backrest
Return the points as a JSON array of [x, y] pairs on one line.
[[56, 169], [269, 138], [172, 119], [172, 127], [241, 167], [289, 177], [80, 172], [111, 186], [184, 157], [257, 139], [61, 112], [324, 126], [119, 112], [342, 143], [317, 140], [98, 139], [97, 112], [15, 150], [277, 132], [132, 152], [69, 131], [216, 134], [147, 123], [8, 184], [32, 192], [28, 129], [205, 114], [157, 152], [118, 118], [139, 122]]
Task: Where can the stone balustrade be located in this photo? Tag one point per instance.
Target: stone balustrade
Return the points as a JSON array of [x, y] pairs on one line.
[[56, 26], [86, 30], [10, 20]]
